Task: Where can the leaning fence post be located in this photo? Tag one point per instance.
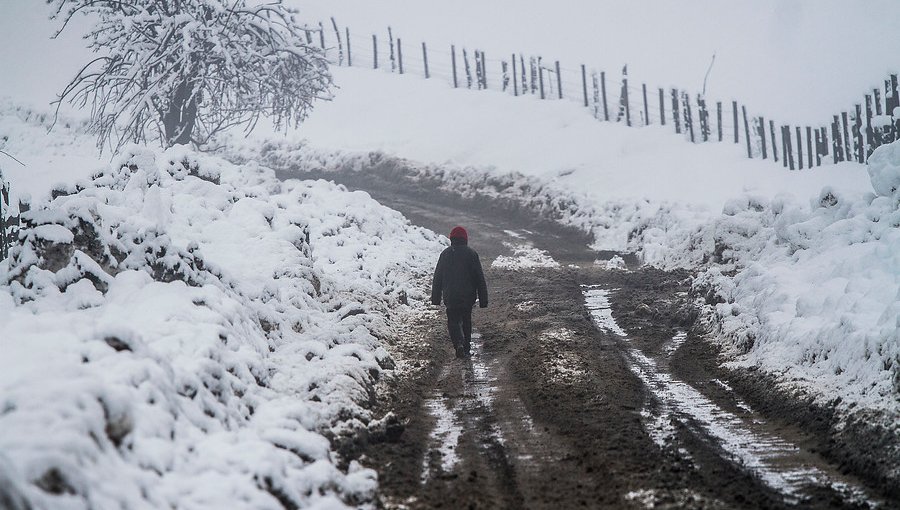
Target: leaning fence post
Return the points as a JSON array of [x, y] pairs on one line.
[[734, 123], [391, 44], [399, 56], [719, 118], [453, 63], [321, 35], [524, 81], [584, 85], [762, 137], [747, 132], [425, 60], [337, 35]]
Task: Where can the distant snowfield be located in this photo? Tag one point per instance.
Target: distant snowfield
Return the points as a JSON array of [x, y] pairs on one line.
[[796, 61]]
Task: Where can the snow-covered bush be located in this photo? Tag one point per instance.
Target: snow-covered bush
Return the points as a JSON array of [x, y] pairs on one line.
[[184, 71], [884, 169], [179, 332]]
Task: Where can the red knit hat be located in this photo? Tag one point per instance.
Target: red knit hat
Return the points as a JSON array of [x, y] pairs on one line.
[[459, 233]]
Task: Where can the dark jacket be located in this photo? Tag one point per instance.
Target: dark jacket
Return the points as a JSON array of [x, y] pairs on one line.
[[458, 277]]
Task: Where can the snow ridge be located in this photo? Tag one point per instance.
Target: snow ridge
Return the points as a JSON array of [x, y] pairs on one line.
[[182, 332]]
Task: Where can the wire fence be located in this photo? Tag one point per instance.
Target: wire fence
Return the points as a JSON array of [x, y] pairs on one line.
[[611, 97]]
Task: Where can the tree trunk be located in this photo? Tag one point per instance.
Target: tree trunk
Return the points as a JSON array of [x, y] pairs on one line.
[[179, 121]]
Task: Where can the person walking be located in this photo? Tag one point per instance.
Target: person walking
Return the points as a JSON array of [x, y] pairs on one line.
[[458, 280]]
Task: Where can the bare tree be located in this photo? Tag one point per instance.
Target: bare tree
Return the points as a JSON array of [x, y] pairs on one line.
[[180, 71]]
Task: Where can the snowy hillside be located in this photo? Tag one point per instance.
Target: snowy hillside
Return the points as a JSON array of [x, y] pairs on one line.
[[177, 329]]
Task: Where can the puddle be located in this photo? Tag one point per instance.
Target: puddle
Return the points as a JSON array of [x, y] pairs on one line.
[[775, 461]]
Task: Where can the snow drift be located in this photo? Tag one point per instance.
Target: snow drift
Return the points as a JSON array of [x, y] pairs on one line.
[[181, 332]]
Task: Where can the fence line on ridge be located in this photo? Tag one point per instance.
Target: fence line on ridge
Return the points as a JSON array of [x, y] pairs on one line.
[[851, 136]]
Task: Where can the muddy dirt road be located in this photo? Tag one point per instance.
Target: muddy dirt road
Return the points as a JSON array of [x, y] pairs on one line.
[[587, 388]]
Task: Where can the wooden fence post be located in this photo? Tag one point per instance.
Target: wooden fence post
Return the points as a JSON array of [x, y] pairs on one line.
[[584, 85], [534, 75], [375, 51], [704, 118], [349, 59], [879, 129], [483, 71], [337, 35], [790, 147], [845, 135], [675, 115], [747, 132], [734, 110], [688, 117], [321, 35], [425, 60], [870, 134], [399, 56], [505, 68], [468, 69], [477, 57], [719, 119], [761, 129], [308, 36], [453, 63], [540, 70], [857, 133], [784, 148], [595, 83], [603, 91], [836, 148], [646, 108], [662, 108], [559, 80], [624, 107], [774, 145], [892, 103], [515, 77], [391, 43], [799, 149], [809, 151]]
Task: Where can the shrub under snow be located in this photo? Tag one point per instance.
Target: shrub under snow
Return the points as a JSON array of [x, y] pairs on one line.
[[179, 332]]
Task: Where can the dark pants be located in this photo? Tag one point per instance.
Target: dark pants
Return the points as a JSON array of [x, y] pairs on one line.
[[459, 325]]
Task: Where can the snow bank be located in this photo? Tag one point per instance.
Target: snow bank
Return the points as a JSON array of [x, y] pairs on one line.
[[181, 332]]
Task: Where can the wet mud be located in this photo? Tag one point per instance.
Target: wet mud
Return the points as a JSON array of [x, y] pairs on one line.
[[570, 402]]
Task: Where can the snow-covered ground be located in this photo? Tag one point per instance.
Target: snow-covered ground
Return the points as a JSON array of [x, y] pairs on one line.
[[181, 331], [132, 371]]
